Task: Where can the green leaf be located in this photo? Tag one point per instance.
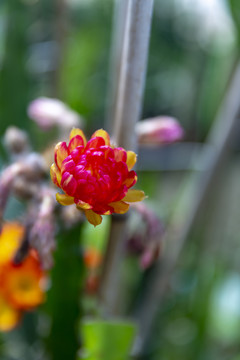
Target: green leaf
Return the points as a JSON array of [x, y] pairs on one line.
[[107, 340]]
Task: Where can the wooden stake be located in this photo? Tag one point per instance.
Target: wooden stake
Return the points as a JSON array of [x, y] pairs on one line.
[[126, 113]]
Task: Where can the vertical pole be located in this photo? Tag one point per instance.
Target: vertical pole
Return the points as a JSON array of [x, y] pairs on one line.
[[119, 22], [133, 71], [126, 112]]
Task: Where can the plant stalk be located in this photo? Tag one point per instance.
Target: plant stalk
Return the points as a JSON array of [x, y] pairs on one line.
[[119, 22], [126, 112]]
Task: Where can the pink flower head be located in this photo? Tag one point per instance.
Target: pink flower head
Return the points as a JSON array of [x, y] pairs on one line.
[[159, 130], [47, 112], [94, 175]]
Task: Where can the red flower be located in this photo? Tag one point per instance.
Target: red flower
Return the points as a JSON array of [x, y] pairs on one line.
[[94, 175]]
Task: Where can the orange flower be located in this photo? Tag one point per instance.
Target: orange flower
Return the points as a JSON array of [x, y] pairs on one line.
[[22, 284], [94, 175], [92, 258]]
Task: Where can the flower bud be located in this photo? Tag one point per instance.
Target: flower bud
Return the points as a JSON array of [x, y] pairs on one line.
[[16, 140], [42, 233], [145, 242], [159, 131], [48, 112], [71, 216], [25, 189], [35, 166]]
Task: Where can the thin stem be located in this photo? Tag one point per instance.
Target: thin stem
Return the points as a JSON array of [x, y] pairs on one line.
[[125, 115], [119, 22], [132, 72]]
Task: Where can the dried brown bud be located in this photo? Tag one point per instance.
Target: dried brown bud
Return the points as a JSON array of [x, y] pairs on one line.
[[146, 242], [71, 216], [6, 183], [16, 140], [42, 233]]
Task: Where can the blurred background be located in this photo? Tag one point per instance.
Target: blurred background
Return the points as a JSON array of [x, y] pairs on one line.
[[61, 49]]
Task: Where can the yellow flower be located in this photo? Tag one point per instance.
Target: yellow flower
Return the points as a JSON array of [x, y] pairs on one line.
[[10, 239], [9, 316]]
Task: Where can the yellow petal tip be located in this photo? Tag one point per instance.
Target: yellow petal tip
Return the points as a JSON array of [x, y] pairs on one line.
[[92, 217], [134, 196]]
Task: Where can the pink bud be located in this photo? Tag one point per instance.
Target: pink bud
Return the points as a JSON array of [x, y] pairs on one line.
[[48, 112], [146, 259], [158, 131], [149, 256]]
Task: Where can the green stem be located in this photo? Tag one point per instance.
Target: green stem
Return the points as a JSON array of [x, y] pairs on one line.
[[63, 300]]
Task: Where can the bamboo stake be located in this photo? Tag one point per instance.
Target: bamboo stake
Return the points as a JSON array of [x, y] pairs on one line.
[[119, 22], [125, 115], [133, 72], [182, 222]]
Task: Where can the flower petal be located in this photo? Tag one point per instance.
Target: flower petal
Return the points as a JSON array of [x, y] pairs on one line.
[[74, 142], [74, 132], [23, 283], [108, 212], [9, 316], [55, 175], [61, 152], [94, 143], [81, 205], [107, 151], [68, 165], [68, 183], [131, 159], [131, 179], [11, 238], [102, 133], [76, 153], [120, 154], [120, 207], [93, 218], [64, 199], [134, 196]]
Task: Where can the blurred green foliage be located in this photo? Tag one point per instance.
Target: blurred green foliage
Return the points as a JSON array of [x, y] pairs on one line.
[[108, 340]]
